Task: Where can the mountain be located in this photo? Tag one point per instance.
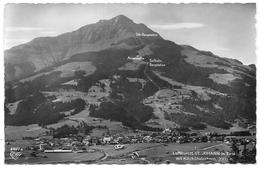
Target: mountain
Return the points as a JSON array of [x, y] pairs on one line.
[[122, 71], [43, 52]]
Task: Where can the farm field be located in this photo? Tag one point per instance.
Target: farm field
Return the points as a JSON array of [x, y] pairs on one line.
[[162, 153], [54, 158], [155, 153]]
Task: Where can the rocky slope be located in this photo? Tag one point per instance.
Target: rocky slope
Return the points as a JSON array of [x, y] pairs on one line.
[[90, 70]]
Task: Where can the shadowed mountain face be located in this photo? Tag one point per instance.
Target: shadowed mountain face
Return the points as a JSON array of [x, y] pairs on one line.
[[89, 70]]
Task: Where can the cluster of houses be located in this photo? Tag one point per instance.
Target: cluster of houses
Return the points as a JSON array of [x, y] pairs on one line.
[[80, 144]]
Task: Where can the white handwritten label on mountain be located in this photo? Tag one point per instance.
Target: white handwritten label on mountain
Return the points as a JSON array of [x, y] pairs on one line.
[[138, 57]]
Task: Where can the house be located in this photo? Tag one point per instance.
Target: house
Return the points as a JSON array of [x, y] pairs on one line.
[[86, 141], [147, 138], [167, 131], [107, 139], [119, 147], [42, 147], [134, 140]]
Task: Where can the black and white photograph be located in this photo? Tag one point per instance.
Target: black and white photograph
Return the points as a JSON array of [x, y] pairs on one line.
[[129, 83]]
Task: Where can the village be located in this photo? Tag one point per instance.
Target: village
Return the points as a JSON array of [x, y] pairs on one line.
[[124, 145]]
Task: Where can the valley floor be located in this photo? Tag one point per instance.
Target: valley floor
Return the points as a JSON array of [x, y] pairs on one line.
[[154, 153]]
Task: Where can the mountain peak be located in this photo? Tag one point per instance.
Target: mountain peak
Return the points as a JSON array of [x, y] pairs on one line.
[[121, 18], [117, 32], [118, 19]]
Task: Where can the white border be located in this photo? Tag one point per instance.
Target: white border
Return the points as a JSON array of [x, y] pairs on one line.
[[117, 167]]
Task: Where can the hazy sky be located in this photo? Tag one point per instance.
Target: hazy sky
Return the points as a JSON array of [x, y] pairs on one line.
[[228, 30]]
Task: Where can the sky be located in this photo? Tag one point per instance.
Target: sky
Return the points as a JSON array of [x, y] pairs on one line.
[[227, 30]]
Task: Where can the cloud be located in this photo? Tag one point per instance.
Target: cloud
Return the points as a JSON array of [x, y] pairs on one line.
[[222, 49], [26, 34], [49, 32], [11, 42], [39, 30], [24, 29], [181, 25]]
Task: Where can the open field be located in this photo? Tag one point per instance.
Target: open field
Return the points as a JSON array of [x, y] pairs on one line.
[[162, 153], [57, 158], [111, 152], [17, 132], [155, 153], [50, 157]]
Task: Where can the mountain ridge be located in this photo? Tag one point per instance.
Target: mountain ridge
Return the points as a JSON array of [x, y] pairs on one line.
[[46, 51], [167, 85], [20, 58]]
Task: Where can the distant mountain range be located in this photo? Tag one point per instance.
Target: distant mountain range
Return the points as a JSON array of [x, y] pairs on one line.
[[94, 70]]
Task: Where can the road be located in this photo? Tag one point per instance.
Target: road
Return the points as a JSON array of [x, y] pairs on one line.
[[105, 154], [146, 160], [103, 158], [212, 147]]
